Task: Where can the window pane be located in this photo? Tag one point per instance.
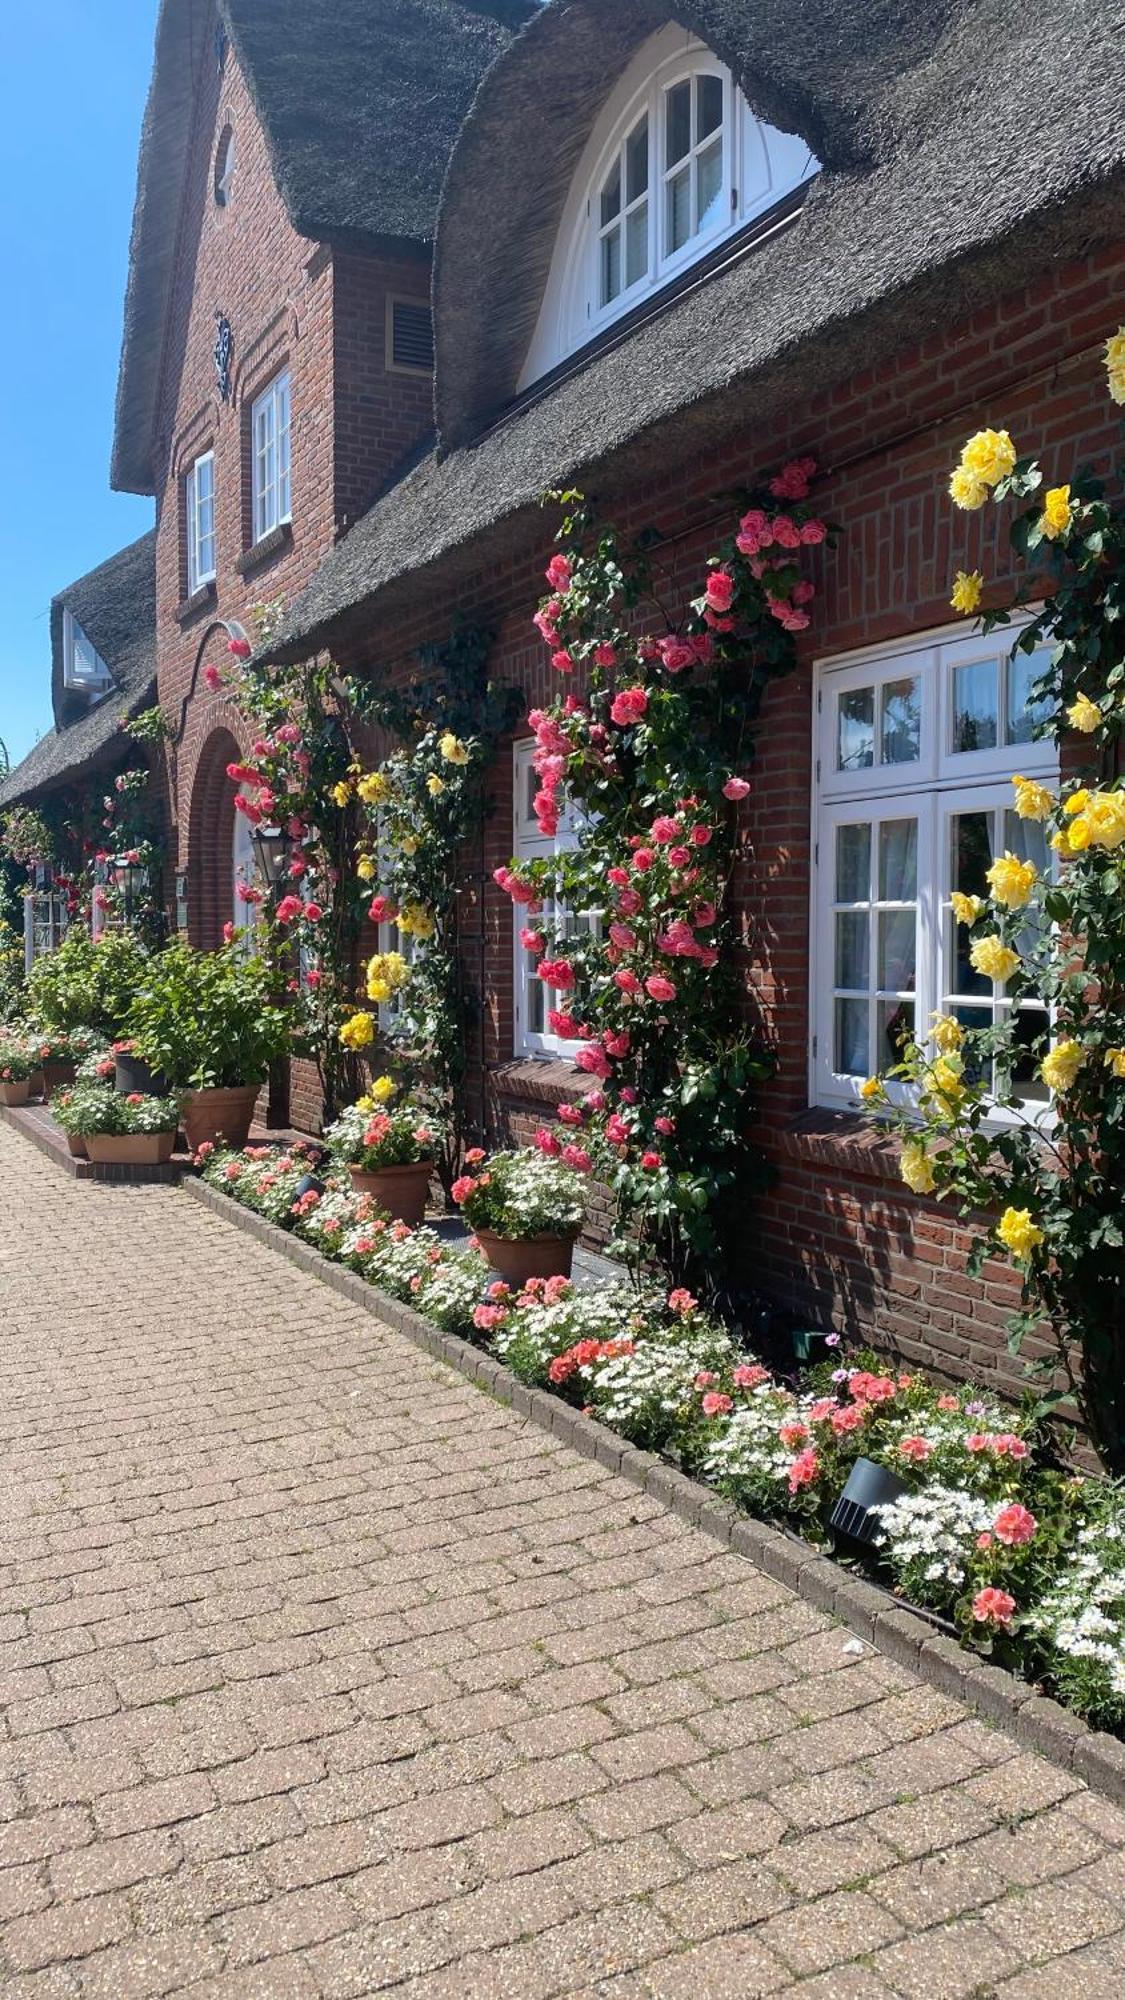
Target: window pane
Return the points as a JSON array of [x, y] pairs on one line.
[[1032, 1037], [900, 722], [977, 1067], [851, 950], [611, 193], [972, 852], [1023, 670], [855, 730], [636, 161], [678, 211], [975, 706], [897, 930], [636, 244], [957, 945], [898, 861], [853, 864], [1028, 839], [850, 1051], [708, 106], [709, 185], [677, 124], [611, 265], [894, 1028]]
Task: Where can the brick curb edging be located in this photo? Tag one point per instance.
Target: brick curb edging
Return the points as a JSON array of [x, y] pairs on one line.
[[1036, 1722]]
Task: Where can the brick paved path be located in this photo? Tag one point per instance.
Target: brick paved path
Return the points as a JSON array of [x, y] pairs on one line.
[[325, 1675]]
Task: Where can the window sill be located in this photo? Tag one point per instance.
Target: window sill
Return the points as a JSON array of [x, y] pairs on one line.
[[203, 599], [263, 551], [843, 1142], [539, 1080]]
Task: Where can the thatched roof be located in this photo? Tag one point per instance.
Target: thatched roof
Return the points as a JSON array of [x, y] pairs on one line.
[[999, 153], [360, 102], [115, 605]]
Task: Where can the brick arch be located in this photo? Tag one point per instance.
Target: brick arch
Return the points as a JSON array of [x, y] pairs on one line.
[[210, 855]]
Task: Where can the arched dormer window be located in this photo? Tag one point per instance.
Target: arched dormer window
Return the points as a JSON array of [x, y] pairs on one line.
[[676, 163]]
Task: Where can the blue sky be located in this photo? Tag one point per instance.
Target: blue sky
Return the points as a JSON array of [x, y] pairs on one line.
[[72, 104]]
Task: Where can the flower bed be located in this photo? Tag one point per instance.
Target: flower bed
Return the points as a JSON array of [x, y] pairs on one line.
[[1026, 1558]]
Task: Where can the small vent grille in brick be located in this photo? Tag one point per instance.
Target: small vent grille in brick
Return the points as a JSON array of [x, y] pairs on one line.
[[412, 336]]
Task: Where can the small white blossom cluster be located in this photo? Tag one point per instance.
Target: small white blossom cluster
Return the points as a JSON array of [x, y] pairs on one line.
[[931, 1534], [524, 1194], [1083, 1615], [641, 1394], [750, 1449], [545, 1328]]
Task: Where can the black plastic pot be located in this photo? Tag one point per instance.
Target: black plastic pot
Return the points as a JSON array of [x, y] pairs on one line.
[[134, 1075], [308, 1184], [869, 1485]]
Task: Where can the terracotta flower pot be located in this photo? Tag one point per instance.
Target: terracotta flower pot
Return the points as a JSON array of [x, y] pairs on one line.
[[37, 1084], [401, 1191], [15, 1093], [76, 1146], [517, 1259], [129, 1149], [223, 1116], [56, 1075]]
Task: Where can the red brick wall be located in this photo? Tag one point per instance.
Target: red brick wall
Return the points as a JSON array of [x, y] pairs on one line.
[[837, 1237]]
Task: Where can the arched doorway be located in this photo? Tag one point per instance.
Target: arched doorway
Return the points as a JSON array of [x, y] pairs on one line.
[[214, 831]]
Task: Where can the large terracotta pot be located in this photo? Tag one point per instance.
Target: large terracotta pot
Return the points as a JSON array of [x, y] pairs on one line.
[[223, 1116], [57, 1075], [401, 1191], [15, 1093], [132, 1075], [518, 1259], [129, 1149]]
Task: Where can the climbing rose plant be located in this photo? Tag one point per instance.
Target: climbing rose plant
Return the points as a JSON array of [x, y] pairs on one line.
[[647, 744], [1051, 1177]]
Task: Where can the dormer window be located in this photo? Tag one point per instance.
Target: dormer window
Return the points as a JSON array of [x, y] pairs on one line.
[[83, 666], [676, 163]]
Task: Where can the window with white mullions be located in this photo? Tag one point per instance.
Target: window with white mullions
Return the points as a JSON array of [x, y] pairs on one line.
[[623, 211], [695, 177], [533, 1000], [977, 829], [875, 939], [200, 492], [269, 445]]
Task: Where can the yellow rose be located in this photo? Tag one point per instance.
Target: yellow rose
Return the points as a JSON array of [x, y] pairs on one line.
[[435, 785], [1055, 518], [414, 921], [1061, 1065], [359, 1032], [1012, 881], [967, 588], [341, 793], [1018, 1233], [965, 491], [383, 1088], [871, 1090], [945, 1080], [1084, 715], [988, 456], [946, 1034], [386, 972], [1077, 802], [452, 749], [966, 909], [1033, 801], [996, 960], [373, 789], [379, 991], [1101, 823], [1115, 1061], [1060, 841], [408, 844], [365, 868], [915, 1168], [1115, 364]]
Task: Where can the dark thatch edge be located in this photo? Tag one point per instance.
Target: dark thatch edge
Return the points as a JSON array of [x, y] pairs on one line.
[[1036, 1722]]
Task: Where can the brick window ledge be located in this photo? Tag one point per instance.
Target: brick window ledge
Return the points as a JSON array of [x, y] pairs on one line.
[[842, 1142], [531, 1081], [264, 550], [203, 599]]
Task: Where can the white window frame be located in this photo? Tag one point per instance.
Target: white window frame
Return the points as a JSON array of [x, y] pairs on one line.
[[941, 783], [760, 166], [270, 468], [199, 488], [244, 868], [529, 844], [90, 677]]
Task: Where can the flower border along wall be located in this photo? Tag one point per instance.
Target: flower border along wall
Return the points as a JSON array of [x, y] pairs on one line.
[[1024, 1559], [1049, 949]]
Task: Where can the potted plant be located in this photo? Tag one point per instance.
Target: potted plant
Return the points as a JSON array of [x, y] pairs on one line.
[[87, 983], [208, 1022], [59, 1052], [17, 1068], [76, 1144], [132, 1074], [525, 1210], [388, 1153], [116, 1130]]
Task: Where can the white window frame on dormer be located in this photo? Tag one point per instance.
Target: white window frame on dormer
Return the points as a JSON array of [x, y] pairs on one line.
[[270, 426], [83, 666], [759, 166], [892, 751], [200, 521]]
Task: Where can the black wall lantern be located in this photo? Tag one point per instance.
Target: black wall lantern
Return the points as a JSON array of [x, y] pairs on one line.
[[271, 852]]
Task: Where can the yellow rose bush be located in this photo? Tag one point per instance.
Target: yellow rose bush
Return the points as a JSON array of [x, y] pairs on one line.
[[1022, 1121]]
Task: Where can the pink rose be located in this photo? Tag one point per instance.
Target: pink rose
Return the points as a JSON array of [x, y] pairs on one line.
[[659, 988], [558, 573], [239, 648], [664, 830], [213, 678], [462, 1188], [578, 1158], [1015, 1525], [720, 590], [605, 655], [650, 1161], [813, 532], [715, 1404], [629, 903], [735, 788], [643, 860], [562, 661], [628, 706], [993, 1607], [546, 1142]]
